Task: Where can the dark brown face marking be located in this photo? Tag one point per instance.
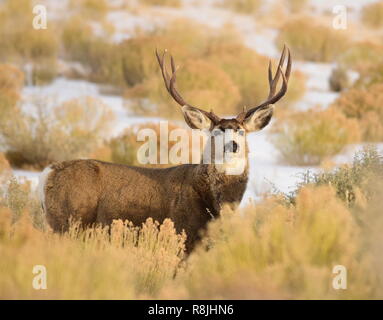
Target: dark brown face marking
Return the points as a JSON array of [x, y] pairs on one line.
[[229, 124]]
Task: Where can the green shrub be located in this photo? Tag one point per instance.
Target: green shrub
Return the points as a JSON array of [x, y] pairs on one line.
[[312, 41], [372, 15], [349, 181], [69, 131], [365, 106], [309, 137]]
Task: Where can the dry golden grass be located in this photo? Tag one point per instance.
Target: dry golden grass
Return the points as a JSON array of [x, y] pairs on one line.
[[121, 263], [273, 249]]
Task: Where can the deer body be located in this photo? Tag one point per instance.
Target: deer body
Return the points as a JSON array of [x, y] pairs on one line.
[[98, 192], [191, 195]]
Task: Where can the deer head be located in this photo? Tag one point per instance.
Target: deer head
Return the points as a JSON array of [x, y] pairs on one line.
[[235, 129]]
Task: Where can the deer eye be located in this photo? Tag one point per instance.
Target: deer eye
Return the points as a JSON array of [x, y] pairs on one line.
[[241, 132]]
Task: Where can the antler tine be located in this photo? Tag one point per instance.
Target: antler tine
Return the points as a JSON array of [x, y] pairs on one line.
[[169, 80], [171, 88], [273, 82], [285, 77], [270, 72], [165, 75]]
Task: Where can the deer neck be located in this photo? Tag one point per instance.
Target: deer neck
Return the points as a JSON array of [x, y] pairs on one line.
[[218, 186]]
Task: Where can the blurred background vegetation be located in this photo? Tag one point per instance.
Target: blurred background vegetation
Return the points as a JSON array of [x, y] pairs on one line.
[[285, 244], [218, 70]]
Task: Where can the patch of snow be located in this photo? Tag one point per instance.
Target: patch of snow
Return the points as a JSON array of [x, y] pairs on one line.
[[317, 74], [262, 42], [62, 89], [126, 23], [313, 98], [328, 5], [25, 175]]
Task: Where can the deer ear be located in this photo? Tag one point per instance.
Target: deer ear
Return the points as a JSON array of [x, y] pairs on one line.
[[195, 118], [259, 119]]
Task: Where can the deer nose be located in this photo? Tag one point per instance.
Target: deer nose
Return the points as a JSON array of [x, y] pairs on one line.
[[231, 146]]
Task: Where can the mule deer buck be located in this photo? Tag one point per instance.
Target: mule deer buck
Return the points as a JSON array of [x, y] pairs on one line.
[[190, 194]]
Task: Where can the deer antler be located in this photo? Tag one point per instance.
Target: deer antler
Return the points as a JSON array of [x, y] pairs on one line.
[[170, 86], [273, 82]]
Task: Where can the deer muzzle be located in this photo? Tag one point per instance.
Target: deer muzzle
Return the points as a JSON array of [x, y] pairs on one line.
[[231, 146]]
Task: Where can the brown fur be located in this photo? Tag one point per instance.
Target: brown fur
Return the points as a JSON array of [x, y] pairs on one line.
[[98, 192]]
